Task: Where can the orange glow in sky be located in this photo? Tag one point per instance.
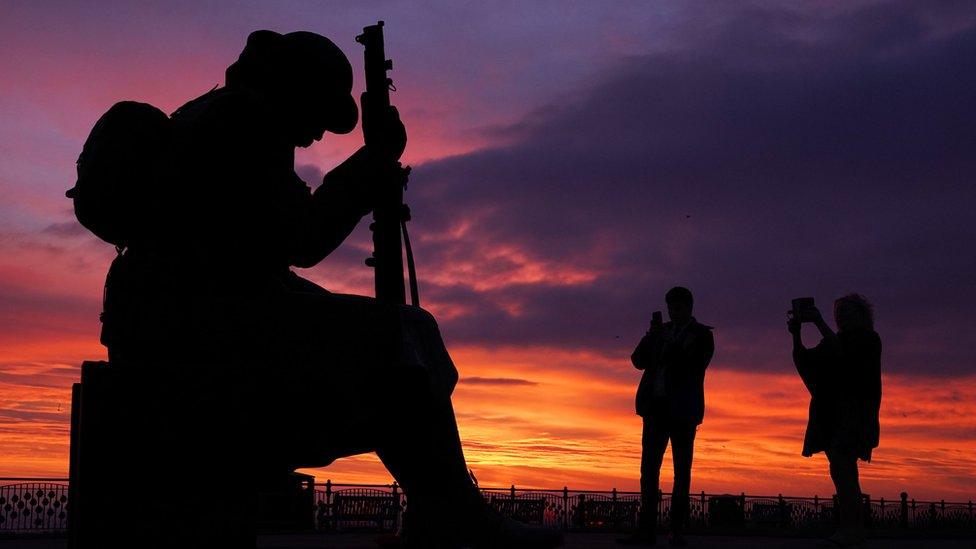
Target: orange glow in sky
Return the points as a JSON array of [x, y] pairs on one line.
[[542, 418]]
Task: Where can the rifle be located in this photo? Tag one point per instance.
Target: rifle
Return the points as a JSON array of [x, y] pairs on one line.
[[390, 214]]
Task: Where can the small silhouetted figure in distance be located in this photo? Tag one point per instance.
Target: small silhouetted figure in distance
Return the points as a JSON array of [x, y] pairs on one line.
[[671, 399], [843, 375], [277, 372]]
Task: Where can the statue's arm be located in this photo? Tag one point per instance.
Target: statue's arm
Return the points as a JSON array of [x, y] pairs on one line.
[[332, 212], [345, 196]]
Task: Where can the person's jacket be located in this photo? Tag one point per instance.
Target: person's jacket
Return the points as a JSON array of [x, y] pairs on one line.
[[845, 393], [684, 357]]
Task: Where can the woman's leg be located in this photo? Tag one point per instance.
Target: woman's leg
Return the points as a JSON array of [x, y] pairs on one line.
[[843, 471]]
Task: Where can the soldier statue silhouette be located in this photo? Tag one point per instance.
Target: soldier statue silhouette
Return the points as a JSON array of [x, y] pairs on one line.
[[268, 368]]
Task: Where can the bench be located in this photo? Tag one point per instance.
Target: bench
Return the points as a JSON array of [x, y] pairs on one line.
[[527, 509], [606, 513], [726, 511], [364, 509], [771, 514]]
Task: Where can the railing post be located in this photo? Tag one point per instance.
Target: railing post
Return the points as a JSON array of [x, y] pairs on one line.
[[329, 513], [513, 491], [903, 515], [565, 508], [782, 511], [581, 511], [659, 518], [702, 515], [613, 507], [396, 501]]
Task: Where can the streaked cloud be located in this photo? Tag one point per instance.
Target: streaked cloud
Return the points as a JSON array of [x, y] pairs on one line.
[[504, 381]]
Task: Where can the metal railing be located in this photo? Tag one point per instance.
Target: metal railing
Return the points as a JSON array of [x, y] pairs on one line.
[[35, 505], [39, 505], [616, 510]]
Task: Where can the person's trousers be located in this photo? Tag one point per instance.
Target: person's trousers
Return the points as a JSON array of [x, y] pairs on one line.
[[843, 471], [658, 430]]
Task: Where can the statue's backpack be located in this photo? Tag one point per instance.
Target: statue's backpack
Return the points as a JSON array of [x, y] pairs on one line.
[[123, 161]]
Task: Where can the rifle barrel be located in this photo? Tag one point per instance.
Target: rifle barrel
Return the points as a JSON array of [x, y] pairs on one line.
[[388, 211]]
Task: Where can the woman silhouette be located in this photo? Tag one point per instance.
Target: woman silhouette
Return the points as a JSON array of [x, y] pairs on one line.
[[843, 375]]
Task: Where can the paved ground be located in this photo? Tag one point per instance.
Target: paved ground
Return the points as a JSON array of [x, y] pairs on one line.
[[573, 541]]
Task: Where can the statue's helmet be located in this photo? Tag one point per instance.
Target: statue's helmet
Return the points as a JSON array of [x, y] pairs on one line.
[[302, 68]]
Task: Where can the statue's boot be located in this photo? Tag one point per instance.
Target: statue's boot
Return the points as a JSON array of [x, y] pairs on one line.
[[445, 510], [472, 525]]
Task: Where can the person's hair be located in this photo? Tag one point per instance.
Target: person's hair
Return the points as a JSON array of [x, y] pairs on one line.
[[865, 311], [681, 295]]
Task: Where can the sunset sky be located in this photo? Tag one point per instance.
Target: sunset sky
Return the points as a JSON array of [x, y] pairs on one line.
[[572, 161]]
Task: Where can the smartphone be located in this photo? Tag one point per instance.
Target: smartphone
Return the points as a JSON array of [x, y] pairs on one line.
[[799, 304], [657, 319]]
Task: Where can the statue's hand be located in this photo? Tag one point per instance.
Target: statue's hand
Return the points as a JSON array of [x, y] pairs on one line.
[[387, 140]]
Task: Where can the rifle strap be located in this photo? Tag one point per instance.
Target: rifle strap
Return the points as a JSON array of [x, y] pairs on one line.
[[411, 269]]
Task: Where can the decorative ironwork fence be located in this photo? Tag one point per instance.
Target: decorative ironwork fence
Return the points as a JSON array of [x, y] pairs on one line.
[[617, 510], [357, 506], [35, 505]]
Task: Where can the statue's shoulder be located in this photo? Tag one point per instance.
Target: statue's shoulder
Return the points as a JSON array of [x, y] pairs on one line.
[[224, 108]]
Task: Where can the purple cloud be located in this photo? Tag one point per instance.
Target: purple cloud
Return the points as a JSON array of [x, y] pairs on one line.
[[756, 167]]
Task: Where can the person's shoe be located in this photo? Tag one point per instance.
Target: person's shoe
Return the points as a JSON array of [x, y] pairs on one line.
[[639, 538], [677, 540], [842, 539]]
